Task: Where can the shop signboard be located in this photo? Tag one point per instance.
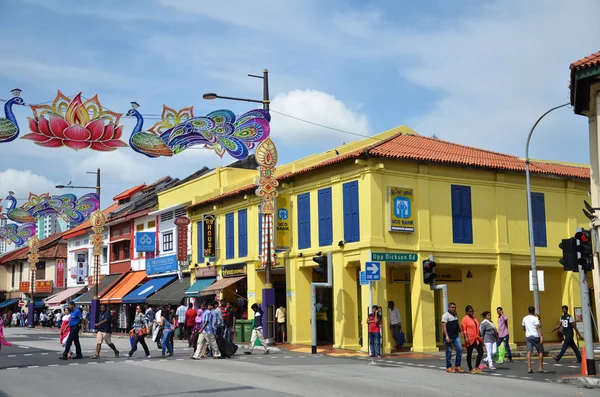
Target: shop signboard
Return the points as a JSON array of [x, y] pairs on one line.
[[182, 237], [283, 234], [24, 287], [43, 286], [60, 273], [238, 269], [400, 208], [145, 242], [161, 264], [209, 235]]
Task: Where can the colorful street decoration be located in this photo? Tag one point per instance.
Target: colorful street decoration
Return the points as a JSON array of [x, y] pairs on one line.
[[266, 157], [9, 129], [67, 206], [17, 234]]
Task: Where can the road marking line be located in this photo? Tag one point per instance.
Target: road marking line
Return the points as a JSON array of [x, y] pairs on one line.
[[74, 364], [511, 376], [573, 366], [28, 354], [401, 362], [421, 365], [301, 356], [53, 365], [12, 355], [44, 354], [273, 357], [431, 366], [287, 356], [526, 378], [496, 374], [12, 368], [33, 366], [162, 359], [109, 362], [92, 363], [24, 347], [179, 359], [557, 365], [442, 367]]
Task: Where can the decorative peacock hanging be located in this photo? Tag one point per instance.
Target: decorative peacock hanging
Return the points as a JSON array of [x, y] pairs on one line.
[[9, 128]]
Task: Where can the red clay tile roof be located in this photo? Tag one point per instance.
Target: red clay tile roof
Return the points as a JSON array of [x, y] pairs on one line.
[[58, 250], [129, 192], [425, 149], [591, 61], [79, 230]]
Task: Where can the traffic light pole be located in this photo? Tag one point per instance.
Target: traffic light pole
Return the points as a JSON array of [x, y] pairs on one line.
[[588, 336], [313, 301]]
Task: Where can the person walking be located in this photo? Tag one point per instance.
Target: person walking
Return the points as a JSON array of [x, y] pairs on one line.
[[374, 324], [567, 322], [156, 326], [470, 327], [207, 333], [503, 336], [73, 338], [181, 310], [197, 327], [104, 332], [280, 315], [452, 333], [139, 330], [3, 342], [190, 316], [230, 326], [533, 338], [257, 332], [395, 322], [489, 333], [168, 326]]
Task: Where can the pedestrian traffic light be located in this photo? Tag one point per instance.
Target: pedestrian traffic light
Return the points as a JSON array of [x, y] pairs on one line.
[[569, 254], [429, 272], [584, 249], [321, 270]]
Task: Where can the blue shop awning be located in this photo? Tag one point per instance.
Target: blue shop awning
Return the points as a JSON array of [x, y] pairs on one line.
[[39, 304], [140, 294], [199, 285], [8, 303]]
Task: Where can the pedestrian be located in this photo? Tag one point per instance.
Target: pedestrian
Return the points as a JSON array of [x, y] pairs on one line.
[[220, 323], [568, 324], [22, 316], [280, 315], [181, 310], [503, 336], [74, 327], [230, 326], [3, 342], [58, 319], [452, 333], [489, 334], [139, 330], [533, 338], [84, 320], [104, 332], [197, 327], [190, 316], [64, 330], [207, 333], [374, 324], [167, 324], [257, 332], [470, 327], [395, 323]]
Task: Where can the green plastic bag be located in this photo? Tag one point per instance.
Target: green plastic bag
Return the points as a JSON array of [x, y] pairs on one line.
[[500, 354]]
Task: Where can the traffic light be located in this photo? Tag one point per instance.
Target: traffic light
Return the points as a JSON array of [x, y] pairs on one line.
[[584, 249], [569, 254], [429, 272], [322, 269]]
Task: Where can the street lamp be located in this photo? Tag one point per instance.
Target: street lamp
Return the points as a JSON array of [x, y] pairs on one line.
[[534, 278], [99, 220], [268, 193]]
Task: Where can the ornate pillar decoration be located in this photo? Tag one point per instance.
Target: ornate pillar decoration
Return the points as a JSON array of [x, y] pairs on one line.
[[33, 258], [98, 221], [266, 157]]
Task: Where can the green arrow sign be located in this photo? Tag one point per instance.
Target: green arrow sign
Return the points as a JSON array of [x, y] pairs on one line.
[[394, 257]]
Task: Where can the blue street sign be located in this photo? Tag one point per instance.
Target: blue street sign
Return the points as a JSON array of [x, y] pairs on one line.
[[373, 271], [145, 242], [363, 278], [162, 264]]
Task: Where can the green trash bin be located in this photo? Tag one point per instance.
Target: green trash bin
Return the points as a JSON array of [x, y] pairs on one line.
[[239, 332], [247, 330]]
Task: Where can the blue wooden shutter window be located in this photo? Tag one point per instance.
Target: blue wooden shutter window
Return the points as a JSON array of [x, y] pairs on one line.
[[200, 241], [229, 240], [304, 220], [325, 220], [462, 220], [351, 212], [538, 212], [243, 233]]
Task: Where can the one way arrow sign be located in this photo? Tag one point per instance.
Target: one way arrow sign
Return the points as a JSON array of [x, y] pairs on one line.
[[373, 271]]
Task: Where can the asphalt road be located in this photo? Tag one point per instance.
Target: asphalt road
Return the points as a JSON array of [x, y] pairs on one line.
[[31, 368]]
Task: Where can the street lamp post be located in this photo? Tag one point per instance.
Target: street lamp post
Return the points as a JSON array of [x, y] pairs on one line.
[[534, 278], [266, 157], [96, 239], [33, 259]]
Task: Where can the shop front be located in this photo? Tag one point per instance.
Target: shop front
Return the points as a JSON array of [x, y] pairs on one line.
[[232, 287], [150, 287], [204, 277], [173, 294], [114, 299]]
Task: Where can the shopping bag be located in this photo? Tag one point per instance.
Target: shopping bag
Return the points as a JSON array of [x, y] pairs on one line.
[[401, 338], [155, 333], [500, 355]]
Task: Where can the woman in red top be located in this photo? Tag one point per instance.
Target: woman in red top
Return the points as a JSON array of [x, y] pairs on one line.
[[374, 322], [190, 317], [470, 327]]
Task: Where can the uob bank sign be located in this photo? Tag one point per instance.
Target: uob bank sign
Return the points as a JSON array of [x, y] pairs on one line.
[[401, 209]]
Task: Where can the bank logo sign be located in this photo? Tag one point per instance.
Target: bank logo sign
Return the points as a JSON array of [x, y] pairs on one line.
[[402, 217], [283, 235]]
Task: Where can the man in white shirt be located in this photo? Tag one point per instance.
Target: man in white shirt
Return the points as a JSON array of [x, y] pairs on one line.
[[395, 323], [533, 338], [181, 319], [280, 316]]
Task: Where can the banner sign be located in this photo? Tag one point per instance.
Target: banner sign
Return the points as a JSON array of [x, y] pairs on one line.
[[24, 286], [206, 272], [209, 234], [43, 286], [233, 270], [145, 242], [182, 238], [161, 264], [402, 274], [82, 268], [283, 235], [60, 273], [401, 209]]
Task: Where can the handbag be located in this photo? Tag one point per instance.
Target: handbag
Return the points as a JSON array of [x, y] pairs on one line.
[[401, 338], [143, 331]]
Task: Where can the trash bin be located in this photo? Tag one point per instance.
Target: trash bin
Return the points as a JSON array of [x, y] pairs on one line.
[[247, 330], [239, 332]]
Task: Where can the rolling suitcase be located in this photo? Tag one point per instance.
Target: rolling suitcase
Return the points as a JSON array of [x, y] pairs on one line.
[[225, 348]]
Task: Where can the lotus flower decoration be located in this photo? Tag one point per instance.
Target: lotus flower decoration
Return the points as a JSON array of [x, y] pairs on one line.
[[75, 124]]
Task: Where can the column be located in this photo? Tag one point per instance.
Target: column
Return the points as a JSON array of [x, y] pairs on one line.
[[298, 281], [501, 289], [594, 133], [344, 310], [423, 311]]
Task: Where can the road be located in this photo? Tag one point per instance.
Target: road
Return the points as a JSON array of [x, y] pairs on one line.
[[31, 368]]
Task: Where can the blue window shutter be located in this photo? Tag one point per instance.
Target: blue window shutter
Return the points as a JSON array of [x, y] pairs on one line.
[[462, 217], [200, 241], [304, 220], [351, 212], [259, 234], [229, 240], [242, 233], [538, 212], [325, 219]]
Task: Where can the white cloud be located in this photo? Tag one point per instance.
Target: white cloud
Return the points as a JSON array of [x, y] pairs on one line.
[[318, 107], [22, 182]]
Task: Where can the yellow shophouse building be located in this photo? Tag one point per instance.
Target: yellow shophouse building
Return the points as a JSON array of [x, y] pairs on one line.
[[397, 192]]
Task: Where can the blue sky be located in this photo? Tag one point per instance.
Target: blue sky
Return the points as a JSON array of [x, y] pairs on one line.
[[476, 73]]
